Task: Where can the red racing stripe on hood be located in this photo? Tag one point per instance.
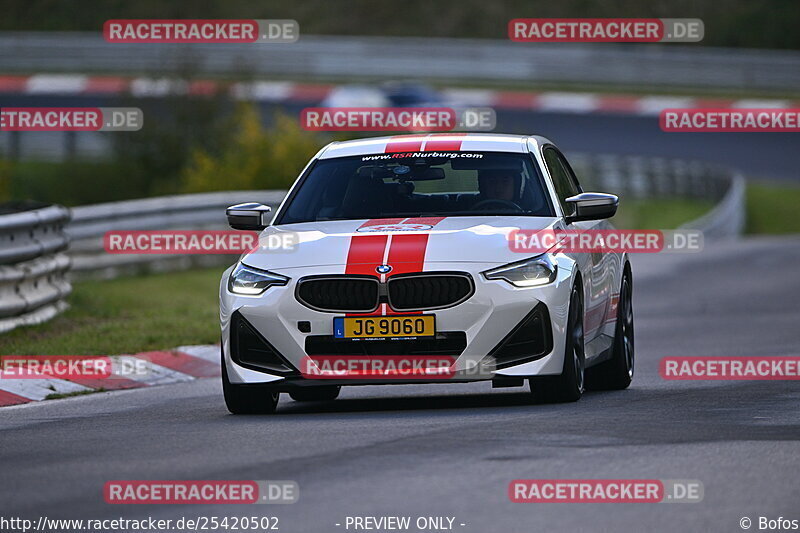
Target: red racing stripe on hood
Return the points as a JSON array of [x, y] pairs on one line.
[[365, 253], [405, 252]]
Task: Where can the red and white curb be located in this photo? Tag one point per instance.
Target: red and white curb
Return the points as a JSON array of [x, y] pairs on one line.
[[185, 363], [306, 93]]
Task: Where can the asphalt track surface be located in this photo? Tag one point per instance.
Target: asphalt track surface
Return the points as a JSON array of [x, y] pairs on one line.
[[771, 156], [451, 450]]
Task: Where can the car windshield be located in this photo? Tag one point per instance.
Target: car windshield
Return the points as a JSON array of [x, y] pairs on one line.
[[418, 184]]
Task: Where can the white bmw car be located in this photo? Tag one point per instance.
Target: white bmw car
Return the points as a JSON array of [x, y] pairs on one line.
[[399, 254]]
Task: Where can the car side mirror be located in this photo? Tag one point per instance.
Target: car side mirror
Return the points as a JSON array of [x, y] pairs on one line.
[[592, 206], [248, 216]]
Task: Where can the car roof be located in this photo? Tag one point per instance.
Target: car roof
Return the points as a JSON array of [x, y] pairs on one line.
[[446, 142]]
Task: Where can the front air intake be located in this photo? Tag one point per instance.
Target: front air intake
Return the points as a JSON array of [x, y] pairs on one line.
[[531, 339], [251, 350]]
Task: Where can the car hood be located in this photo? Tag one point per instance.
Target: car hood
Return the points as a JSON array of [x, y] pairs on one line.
[[409, 242]]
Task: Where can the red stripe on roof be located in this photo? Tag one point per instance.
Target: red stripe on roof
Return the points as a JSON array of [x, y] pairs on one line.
[[404, 144], [451, 144]]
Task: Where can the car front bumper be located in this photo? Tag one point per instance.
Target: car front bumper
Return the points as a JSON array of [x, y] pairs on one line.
[[486, 319]]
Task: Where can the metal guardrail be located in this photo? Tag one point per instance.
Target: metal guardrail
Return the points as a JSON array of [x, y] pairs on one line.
[[727, 219], [33, 282], [188, 211], [647, 177], [361, 58], [33, 267]]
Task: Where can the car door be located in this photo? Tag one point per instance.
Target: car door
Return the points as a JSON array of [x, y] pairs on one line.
[[594, 266]]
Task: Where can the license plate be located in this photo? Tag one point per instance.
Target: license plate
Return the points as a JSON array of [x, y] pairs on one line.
[[371, 327]]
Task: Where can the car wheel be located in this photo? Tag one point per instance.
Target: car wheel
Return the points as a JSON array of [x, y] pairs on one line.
[[567, 387], [248, 399], [617, 373], [316, 394]]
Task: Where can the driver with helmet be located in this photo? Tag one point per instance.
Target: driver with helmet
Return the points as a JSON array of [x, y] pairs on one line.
[[499, 184]]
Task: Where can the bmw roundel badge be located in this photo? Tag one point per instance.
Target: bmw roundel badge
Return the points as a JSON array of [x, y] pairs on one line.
[[383, 269]]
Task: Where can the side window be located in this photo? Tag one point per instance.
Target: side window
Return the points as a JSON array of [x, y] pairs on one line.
[[563, 180], [571, 173]]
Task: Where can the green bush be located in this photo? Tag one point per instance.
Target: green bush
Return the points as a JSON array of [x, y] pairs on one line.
[[5, 180], [194, 145], [252, 157], [153, 159]]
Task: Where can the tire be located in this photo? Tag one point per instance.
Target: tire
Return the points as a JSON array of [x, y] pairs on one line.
[[248, 399], [568, 386], [316, 394], [617, 372]]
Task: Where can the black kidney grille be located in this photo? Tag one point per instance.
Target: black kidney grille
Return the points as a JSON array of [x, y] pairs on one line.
[[339, 294], [428, 291]]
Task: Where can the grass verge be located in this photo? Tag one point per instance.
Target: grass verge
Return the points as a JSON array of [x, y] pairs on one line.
[[60, 395], [666, 213], [772, 208], [127, 315]]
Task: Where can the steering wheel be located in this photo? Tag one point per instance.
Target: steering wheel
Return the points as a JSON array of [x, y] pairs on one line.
[[489, 204]]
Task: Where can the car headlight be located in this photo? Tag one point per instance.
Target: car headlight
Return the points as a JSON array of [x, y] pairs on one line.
[[527, 273], [250, 281]]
